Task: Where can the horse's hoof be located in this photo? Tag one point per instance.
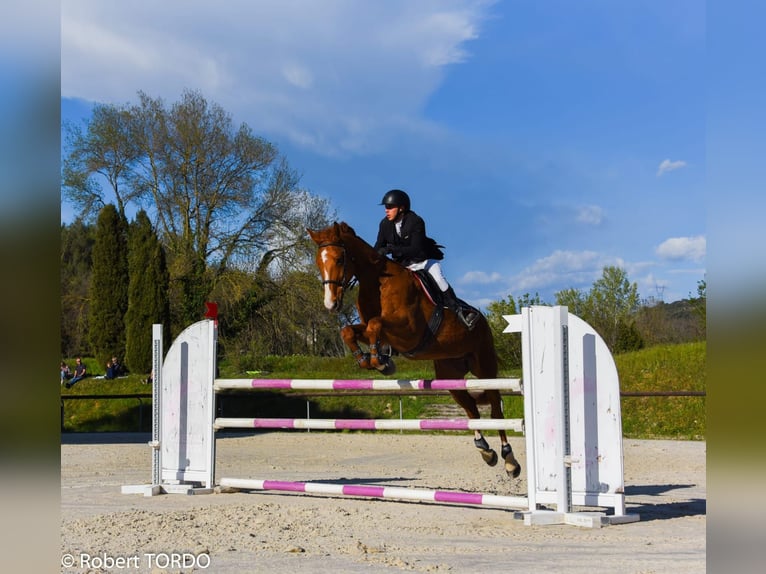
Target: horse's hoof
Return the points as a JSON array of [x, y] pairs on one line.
[[489, 456], [364, 361], [389, 368], [512, 466]]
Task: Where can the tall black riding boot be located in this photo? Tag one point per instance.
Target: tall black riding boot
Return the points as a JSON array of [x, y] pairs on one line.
[[451, 302]]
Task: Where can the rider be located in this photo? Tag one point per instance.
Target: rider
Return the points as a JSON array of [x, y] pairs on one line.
[[402, 234]]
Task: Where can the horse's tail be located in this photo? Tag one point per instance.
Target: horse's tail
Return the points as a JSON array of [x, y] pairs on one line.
[[485, 363]]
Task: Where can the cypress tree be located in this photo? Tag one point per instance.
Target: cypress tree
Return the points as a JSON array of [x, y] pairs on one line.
[[109, 286], [148, 300], [76, 267]]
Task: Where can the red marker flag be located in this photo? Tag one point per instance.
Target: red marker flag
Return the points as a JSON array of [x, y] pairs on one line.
[[211, 311]]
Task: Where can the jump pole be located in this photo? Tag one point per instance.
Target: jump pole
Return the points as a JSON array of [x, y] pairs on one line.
[[368, 385], [371, 424], [572, 422], [377, 491]]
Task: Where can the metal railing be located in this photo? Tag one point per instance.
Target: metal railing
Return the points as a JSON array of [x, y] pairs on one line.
[[137, 396]]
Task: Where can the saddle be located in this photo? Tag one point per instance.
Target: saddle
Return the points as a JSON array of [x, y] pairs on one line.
[[430, 288], [432, 291]]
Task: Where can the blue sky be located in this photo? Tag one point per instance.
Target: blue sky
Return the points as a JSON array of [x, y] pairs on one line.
[[539, 140]]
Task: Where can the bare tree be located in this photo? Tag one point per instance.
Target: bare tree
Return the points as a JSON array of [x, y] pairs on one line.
[[221, 197], [104, 153]]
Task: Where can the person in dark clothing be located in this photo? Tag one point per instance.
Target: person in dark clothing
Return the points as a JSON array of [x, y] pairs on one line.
[[117, 368], [80, 372], [402, 235]]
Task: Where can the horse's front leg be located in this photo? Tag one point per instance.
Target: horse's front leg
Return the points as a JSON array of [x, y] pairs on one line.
[[378, 360], [351, 335]]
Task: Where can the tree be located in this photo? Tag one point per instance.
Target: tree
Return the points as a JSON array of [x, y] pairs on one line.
[[109, 286], [609, 307], [221, 198], [700, 303], [76, 260], [148, 301], [575, 301], [220, 193], [508, 346], [264, 314], [106, 152]]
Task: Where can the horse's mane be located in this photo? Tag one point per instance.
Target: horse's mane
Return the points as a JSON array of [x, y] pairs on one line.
[[347, 233]]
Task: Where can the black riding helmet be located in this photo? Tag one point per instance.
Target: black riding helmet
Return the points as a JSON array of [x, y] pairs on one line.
[[396, 197]]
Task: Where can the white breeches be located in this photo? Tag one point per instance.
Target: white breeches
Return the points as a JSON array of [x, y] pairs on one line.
[[434, 269]]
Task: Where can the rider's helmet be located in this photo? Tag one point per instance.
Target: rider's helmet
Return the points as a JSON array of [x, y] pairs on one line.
[[396, 197]]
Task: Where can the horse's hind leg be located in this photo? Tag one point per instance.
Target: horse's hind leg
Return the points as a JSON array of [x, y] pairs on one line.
[[456, 369], [465, 400], [512, 466], [484, 365]]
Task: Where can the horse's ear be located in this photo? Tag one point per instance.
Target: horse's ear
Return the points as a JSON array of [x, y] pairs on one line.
[[313, 234], [346, 228]]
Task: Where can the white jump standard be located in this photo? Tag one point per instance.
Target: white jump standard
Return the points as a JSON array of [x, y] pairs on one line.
[[572, 423]]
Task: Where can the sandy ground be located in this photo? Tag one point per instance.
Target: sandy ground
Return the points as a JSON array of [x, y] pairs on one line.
[[278, 532]]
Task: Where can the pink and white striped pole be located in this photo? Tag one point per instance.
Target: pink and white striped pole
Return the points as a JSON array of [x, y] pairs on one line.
[[374, 491], [373, 385], [371, 424]]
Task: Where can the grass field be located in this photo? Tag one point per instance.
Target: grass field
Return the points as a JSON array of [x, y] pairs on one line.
[[660, 368]]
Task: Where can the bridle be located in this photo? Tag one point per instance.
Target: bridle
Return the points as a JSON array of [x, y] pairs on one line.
[[344, 284]]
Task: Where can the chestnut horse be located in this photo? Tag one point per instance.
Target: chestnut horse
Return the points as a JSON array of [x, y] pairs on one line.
[[395, 314]]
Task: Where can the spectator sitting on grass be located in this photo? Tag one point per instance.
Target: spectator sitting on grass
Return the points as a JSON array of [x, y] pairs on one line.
[[66, 372], [80, 372], [110, 370], [117, 367]]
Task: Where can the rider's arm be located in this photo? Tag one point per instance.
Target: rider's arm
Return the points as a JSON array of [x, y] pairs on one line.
[[414, 244], [381, 243]]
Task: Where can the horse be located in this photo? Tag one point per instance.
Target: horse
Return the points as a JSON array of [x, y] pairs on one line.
[[396, 314]]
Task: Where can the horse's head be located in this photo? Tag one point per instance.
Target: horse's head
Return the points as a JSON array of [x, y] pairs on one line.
[[334, 263]]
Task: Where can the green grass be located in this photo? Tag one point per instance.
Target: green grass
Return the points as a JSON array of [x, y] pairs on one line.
[[668, 367], [678, 367], [101, 415]]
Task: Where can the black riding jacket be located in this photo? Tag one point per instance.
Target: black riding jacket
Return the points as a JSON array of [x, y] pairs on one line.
[[412, 246]]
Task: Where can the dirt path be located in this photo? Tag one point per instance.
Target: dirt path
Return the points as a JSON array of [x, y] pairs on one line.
[[269, 532]]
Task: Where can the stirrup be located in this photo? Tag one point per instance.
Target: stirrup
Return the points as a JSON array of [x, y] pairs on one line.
[[469, 321]]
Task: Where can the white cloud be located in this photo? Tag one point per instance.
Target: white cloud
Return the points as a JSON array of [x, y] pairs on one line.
[[590, 215], [338, 79], [563, 268], [666, 165], [683, 248]]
